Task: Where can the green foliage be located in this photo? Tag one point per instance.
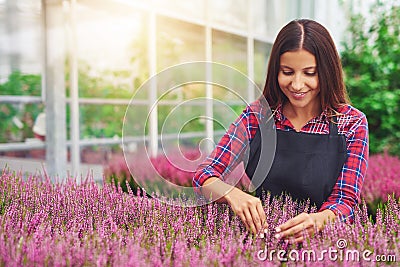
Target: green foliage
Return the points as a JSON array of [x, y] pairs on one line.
[[103, 120], [96, 120], [19, 84], [371, 61]]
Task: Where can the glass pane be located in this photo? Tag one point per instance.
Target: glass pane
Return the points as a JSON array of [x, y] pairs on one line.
[[271, 15], [261, 55], [292, 10], [103, 120], [112, 49], [178, 42], [230, 50], [20, 69], [230, 13], [193, 9], [260, 18], [21, 39], [113, 63], [17, 121], [307, 8]]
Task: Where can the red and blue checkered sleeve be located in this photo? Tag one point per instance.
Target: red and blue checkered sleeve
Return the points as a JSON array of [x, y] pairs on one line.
[[230, 150], [346, 192]]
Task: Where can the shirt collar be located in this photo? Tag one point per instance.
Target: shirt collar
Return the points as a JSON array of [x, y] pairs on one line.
[[280, 117], [279, 113], [323, 117]]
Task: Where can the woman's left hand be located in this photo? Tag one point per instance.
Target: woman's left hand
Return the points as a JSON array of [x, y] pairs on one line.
[[308, 221]]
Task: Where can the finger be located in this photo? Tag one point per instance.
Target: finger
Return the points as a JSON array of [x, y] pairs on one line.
[[307, 231], [263, 218], [294, 230], [249, 220], [243, 218], [298, 239], [291, 222], [301, 236], [289, 232], [256, 218], [303, 233]]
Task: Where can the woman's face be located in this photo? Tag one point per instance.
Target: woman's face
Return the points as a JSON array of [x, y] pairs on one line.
[[298, 79]]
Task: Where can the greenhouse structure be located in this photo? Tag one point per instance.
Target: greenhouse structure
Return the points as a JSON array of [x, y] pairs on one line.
[[83, 62]]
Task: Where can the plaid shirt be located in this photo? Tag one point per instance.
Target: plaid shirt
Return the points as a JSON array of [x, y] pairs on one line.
[[351, 123]]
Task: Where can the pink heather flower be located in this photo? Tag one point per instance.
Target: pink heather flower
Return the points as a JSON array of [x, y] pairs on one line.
[[382, 178], [75, 224]]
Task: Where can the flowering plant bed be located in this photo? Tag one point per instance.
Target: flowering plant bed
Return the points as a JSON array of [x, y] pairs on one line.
[[83, 224], [381, 180]]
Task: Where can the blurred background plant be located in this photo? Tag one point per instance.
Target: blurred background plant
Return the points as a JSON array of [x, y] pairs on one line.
[[172, 168], [381, 180], [371, 61], [17, 119]]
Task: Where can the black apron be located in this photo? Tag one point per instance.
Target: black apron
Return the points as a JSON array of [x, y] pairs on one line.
[[305, 166]]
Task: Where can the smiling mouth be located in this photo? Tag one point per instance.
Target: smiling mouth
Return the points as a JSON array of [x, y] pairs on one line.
[[299, 94]]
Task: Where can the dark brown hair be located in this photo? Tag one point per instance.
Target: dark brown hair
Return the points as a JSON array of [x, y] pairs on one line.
[[313, 37]]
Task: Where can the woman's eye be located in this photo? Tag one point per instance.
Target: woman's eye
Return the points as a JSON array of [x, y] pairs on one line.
[[287, 72], [311, 73]]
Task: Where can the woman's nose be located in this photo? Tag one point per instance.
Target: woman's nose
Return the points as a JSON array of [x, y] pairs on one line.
[[297, 83]]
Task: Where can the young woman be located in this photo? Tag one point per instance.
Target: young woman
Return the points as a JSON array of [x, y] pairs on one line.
[[322, 141]]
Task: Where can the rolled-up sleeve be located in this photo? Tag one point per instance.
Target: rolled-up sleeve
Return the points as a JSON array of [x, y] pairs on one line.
[[346, 192], [229, 151]]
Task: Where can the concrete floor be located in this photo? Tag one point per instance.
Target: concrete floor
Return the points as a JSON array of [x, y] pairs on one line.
[[29, 166]]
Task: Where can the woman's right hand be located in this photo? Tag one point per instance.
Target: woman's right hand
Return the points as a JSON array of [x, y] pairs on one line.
[[249, 209]]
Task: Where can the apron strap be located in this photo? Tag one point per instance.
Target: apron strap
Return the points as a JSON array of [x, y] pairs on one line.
[[333, 129]]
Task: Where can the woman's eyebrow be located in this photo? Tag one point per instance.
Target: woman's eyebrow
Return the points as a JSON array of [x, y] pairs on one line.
[[306, 68]]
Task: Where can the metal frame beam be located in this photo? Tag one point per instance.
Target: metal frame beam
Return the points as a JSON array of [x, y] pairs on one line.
[[54, 60]]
